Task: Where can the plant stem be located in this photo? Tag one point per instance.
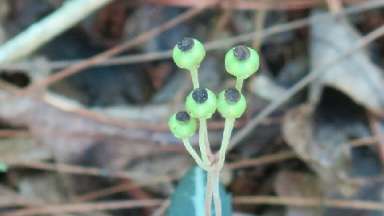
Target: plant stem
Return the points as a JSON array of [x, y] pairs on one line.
[[208, 145], [216, 192], [239, 84], [209, 193], [202, 141], [193, 153], [195, 78], [228, 127]]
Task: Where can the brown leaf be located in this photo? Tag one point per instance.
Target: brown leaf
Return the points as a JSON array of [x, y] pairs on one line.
[[328, 157], [355, 76]]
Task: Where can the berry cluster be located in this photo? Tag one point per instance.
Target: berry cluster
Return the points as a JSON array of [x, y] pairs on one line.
[[201, 103]]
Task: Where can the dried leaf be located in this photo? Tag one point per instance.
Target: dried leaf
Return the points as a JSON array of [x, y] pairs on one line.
[[356, 75], [328, 155]]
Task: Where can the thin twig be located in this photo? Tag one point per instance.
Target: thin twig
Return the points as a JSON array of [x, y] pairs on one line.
[[375, 125], [309, 202], [259, 20], [80, 170], [260, 161], [6, 202], [85, 207], [287, 155], [104, 192], [62, 105], [303, 83], [45, 30], [93, 171], [249, 5], [14, 133], [140, 39], [263, 160], [242, 200], [214, 45], [162, 209]]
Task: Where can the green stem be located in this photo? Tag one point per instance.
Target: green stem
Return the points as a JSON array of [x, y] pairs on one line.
[[193, 153], [228, 127], [208, 194], [202, 141], [216, 192], [195, 78], [239, 84]]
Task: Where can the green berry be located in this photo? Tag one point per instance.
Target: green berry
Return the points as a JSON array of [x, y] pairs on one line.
[[241, 62], [182, 125], [201, 103], [231, 103], [188, 53], [3, 167]]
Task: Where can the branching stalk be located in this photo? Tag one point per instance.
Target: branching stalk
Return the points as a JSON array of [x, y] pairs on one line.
[[193, 153], [241, 62], [202, 142], [209, 193], [208, 145], [216, 192], [228, 127]]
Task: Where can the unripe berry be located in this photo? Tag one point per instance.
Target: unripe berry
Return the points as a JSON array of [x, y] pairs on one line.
[[182, 125], [241, 62], [188, 53], [201, 103], [3, 167], [231, 103]]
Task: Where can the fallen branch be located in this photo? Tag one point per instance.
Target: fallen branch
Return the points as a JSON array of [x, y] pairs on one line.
[[41, 32]]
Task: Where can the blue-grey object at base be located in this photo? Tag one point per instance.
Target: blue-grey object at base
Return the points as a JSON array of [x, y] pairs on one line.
[[188, 199]]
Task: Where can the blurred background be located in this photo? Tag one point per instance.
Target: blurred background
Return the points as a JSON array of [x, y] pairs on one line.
[[87, 86]]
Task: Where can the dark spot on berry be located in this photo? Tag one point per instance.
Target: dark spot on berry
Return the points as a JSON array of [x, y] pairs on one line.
[[241, 52], [185, 44], [182, 116], [232, 95], [200, 95]]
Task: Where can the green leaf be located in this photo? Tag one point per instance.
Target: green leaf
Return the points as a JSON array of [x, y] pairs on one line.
[[188, 199]]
